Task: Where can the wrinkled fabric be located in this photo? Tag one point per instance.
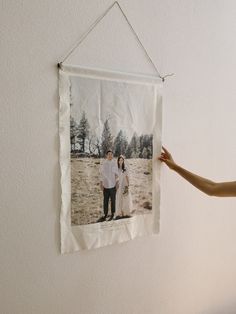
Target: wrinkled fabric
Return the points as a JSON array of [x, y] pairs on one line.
[[102, 110]]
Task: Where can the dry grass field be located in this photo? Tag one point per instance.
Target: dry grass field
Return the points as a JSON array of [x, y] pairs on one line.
[[87, 198]]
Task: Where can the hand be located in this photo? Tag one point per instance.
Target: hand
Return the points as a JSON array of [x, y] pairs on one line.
[[117, 186], [101, 186], [167, 158]]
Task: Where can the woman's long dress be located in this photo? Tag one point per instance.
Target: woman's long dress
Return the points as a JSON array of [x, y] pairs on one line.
[[123, 201]]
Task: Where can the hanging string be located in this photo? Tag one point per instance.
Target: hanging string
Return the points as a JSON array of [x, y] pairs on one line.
[[135, 34], [132, 29], [87, 33]]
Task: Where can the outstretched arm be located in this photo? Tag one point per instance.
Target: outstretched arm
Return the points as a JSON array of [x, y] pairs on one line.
[[207, 186]]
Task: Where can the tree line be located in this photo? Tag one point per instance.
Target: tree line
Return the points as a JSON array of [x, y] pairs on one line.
[[85, 143]]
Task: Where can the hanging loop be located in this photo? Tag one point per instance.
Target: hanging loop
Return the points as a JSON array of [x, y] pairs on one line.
[[59, 65]]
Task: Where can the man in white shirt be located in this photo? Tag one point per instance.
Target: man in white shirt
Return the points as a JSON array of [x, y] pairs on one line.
[[109, 184]]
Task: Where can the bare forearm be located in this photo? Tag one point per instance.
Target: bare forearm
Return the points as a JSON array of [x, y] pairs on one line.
[[207, 186], [203, 184]]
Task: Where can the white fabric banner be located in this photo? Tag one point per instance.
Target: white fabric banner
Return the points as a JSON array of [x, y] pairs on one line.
[[110, 135]]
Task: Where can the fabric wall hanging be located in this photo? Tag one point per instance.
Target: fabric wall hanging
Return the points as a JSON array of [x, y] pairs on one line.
[[110, 135]]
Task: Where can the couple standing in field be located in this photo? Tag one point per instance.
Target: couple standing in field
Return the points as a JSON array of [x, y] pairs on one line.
[[114, 183]]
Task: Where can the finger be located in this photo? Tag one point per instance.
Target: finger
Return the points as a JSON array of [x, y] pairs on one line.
[[165, 150]]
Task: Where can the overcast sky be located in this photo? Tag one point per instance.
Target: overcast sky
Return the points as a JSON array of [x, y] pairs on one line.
[[129, 106]]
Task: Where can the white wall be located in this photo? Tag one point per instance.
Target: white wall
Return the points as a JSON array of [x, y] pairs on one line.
[[190, 267]]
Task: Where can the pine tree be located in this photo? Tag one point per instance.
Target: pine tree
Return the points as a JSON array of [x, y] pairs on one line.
[[83, 131], [120, 144], [107, 138], [141, 145], [73, 133], [145, 146], [144, 153], [150, 147], [133, 150]]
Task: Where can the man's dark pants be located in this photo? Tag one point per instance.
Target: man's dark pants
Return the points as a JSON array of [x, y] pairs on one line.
[[109, 194]]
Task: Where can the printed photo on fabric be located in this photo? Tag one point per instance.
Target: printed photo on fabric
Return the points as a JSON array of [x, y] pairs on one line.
[[110, 135]]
